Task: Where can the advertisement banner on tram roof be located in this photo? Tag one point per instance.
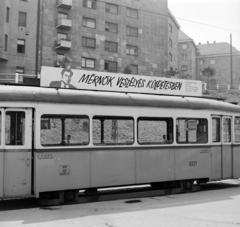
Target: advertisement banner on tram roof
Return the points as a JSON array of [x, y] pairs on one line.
[[105, 81]]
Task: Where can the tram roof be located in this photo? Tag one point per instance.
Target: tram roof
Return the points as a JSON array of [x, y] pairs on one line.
[[52, 95]]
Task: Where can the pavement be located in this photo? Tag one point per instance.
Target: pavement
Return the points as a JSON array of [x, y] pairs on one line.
[[216, 205]]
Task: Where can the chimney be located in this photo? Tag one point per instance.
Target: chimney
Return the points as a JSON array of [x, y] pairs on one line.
[[199, 43], [207, 42], [214, 41]]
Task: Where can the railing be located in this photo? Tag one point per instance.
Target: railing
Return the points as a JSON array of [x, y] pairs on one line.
[[17, 78]]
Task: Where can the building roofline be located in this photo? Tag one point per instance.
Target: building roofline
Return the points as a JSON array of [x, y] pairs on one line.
[[174, 19], [217, 55]]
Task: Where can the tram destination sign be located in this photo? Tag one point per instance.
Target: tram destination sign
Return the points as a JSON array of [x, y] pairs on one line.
[[105, 81]]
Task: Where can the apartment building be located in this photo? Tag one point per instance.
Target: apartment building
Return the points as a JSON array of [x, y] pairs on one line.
[[17, 37], [218, 56], [187, 52], [173, 30], [107, 35]]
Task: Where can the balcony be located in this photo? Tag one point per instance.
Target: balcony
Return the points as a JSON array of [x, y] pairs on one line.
[[64, 4], [63, 44], [64, 23]]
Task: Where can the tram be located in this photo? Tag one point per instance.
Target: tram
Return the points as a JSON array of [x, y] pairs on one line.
[[60, 140]]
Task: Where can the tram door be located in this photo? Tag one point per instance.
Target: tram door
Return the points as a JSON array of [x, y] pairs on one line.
[[16, 152], [222, 149]]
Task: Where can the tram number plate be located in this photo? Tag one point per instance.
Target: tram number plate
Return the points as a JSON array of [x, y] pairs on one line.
[[193, 163], [64, 170]]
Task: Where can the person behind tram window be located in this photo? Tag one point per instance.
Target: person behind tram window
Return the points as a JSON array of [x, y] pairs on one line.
[[65, 80], [164, 139]]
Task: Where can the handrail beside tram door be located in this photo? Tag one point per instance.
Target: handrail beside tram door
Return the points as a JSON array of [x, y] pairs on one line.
[[16, 152]]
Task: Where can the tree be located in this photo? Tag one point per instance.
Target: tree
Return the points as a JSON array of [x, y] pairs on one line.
[[128, 70], [208, 72], [65, 62], [171, 72]]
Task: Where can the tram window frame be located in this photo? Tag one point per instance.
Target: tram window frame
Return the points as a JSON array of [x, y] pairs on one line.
[[15, 123], [190, 125], [65, 137], [162, 139], [114, 132], [237, 130], [218, 130]]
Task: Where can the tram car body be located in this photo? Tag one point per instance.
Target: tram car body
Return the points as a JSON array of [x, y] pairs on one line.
[[54, 140]]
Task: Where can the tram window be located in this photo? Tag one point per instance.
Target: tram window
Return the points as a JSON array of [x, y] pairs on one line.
[[192, 130], [64, 130], [155, 130], [216, 132], [15, 128], [237, 129], [226, 130], [113, 130]]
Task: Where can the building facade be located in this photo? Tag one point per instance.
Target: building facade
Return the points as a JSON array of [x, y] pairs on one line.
[[17, 37], [218, 56], [107, 35], [173, 30], [187, 52]]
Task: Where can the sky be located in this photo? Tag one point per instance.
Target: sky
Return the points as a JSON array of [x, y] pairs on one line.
[[222, 16]]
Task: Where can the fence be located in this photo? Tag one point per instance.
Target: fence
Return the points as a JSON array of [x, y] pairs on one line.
[[17, 78]]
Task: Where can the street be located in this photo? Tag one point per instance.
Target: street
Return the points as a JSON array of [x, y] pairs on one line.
[[217, 204]]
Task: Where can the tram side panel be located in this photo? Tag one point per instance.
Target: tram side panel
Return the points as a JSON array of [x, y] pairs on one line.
[[192, 163], [61, 169], [236, 161], [155, 164]]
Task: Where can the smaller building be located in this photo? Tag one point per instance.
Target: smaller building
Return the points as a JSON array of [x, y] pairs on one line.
[[187, 52], [218, 56]]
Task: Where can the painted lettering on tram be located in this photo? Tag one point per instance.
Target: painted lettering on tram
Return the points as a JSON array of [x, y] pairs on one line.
[[193, 163], [45, 156]]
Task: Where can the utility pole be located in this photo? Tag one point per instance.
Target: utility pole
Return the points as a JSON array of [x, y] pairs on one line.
[[37, 39], [231, 73], [41, 53]]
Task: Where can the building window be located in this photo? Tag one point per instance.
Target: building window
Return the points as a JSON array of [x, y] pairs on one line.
[[21, 46], [170, 28], [88, 42], [184, 46], [170, 57], [89, 23], [111, 8], [134, 69], [20, 70], [59, 57], [110, 66], [88, 63], [133, 13], [7, 15], [131, 31], [91, 4], [170, 42], [184, 68], [212, 61], [6, 43], [201, 62], [111, 46], [62, 16], [132, 50], [61, 36], [22, 19], [184, 57], [111, 27]]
